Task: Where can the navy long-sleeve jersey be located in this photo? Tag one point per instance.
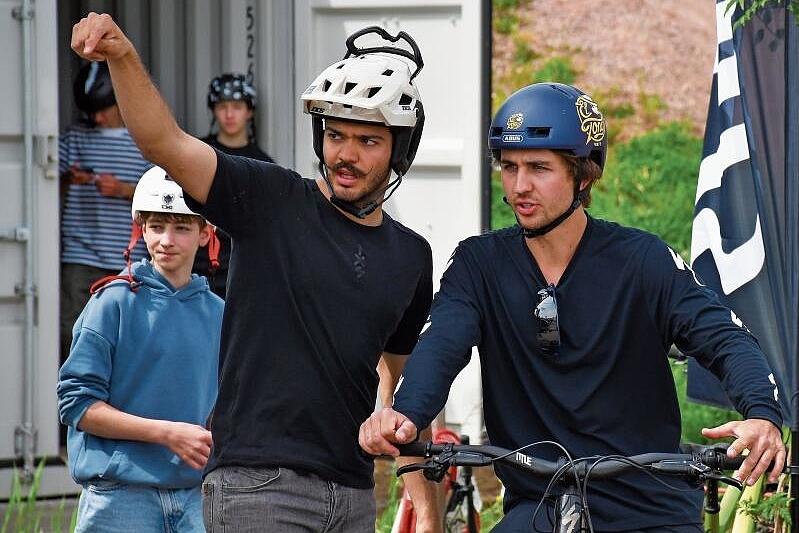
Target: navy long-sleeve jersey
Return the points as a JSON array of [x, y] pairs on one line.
[[624, 299]]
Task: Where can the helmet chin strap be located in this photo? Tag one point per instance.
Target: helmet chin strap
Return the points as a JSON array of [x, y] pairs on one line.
[[353, 209], [532, 233]]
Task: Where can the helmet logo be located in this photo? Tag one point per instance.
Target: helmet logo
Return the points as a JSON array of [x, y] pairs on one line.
[[167, 201], [591, 121], [515, 121], [512, 138]]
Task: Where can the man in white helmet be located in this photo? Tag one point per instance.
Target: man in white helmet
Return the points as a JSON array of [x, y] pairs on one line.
[[141, 379], [326, 292]]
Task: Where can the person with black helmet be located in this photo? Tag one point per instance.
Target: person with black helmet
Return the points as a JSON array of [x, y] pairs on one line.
[[573, 318], [326, 292], [232, 101], [99, 165]]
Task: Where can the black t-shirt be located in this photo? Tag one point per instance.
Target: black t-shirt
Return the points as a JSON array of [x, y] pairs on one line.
[[624, 298], [202, 263], [314, 299]]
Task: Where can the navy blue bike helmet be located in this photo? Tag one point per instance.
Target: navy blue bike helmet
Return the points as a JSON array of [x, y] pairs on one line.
[[553, 116]]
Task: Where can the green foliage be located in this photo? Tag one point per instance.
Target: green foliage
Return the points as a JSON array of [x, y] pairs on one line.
[[23, 513], [505, 23], [386, 518], [504, 20], [21, 510], [508, 5], [619, 111], [773, 507], [696, 416], [524, 53], [491, 514], [650, 183], [559, 69], [750, 8], [651, 104], [501, 215]]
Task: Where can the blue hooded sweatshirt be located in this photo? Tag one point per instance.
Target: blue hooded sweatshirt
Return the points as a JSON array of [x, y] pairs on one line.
[[152, 353]]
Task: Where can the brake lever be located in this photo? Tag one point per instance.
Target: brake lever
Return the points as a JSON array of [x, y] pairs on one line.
[[413, 467], [729, 480], [432, 470], [435, 468]]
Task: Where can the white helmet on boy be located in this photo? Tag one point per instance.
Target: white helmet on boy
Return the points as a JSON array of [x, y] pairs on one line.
[[157, 192]]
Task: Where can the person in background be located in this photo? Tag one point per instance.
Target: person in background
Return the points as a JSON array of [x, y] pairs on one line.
[[141, 379], [232, 100], [324, 287], [573, 318], [99, 165]]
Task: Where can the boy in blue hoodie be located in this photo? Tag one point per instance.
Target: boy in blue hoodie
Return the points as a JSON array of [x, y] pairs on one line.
[[141, 378]]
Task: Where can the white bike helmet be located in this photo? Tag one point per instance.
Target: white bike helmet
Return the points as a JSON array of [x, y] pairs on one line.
[[157, 192], [371, 85]]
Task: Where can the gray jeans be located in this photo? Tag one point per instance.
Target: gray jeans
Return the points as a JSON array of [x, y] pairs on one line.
[[249, 500]]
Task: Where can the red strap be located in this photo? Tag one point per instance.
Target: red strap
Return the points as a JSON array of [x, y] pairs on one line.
[[213, 251], [102, 283], [135, 235]]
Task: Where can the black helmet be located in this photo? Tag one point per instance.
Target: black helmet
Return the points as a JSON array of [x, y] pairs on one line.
[[550, 115], [231, 87], [92, 88]]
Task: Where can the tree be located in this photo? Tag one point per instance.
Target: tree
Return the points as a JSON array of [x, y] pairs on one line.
[[750, 7]]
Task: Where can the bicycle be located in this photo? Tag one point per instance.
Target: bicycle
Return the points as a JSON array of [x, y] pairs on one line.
[[704, 464]]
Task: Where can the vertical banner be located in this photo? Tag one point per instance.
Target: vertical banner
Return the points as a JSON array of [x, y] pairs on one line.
[[746, 219]]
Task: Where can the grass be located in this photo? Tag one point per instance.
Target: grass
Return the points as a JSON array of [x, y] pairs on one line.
[[24, 514]]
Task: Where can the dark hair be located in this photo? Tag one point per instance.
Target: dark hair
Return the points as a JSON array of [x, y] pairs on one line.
[[179, 218], [582, 168]]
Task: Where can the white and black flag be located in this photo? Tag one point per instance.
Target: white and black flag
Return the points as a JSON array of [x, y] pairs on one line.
[[745, 240]]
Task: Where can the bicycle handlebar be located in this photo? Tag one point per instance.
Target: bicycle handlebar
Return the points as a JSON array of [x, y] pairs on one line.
[[699, 461]]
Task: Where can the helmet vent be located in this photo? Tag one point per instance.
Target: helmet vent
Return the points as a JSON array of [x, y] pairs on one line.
[[388, 72], [373, 91], [539, 132], [348, 87], [326, 86], [405, 99]]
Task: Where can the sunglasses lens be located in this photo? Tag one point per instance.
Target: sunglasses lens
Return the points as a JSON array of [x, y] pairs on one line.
[[546, 313]]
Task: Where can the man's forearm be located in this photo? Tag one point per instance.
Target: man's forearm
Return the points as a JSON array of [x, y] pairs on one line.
[[144, 111], [427, 496]]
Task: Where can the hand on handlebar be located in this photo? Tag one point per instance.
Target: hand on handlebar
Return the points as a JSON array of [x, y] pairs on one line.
[[383, 429], [764, 442]]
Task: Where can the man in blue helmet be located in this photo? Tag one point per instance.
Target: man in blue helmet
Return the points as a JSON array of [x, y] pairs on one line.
[[573, 318]]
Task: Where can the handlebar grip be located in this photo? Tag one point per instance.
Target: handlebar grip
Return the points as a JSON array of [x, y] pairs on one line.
[[414, 449]]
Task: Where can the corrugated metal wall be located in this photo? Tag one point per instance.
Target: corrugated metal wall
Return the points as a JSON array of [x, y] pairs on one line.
[[184, 44]]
